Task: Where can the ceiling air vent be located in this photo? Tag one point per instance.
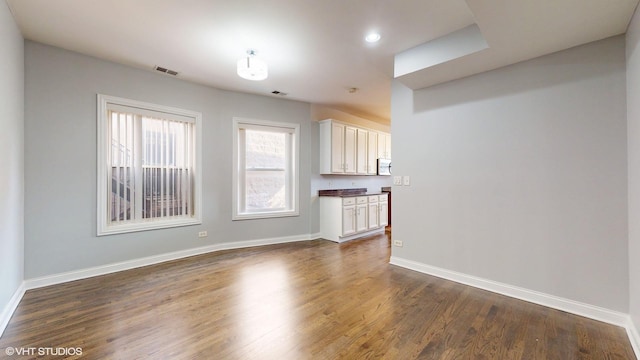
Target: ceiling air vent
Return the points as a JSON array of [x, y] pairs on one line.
[[166, 71], [276, 92]]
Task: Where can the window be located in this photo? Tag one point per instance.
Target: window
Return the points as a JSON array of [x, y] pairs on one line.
[[148, 166], [265, 179]]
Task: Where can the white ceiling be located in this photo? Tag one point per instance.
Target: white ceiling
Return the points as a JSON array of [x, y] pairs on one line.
[[315, 48]]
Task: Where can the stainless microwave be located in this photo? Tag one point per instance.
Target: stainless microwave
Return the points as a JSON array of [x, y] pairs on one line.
[[384, 166]]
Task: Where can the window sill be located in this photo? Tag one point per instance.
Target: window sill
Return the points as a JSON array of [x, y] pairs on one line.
[[145, 226], [264, 215]]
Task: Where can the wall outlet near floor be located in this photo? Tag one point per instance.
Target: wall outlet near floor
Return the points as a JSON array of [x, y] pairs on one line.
[[406, 180], [397, 180], [202, 234], [397, 243]]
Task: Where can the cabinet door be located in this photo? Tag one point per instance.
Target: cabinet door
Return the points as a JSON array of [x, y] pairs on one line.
[[373, 216], [387, 146], [361, 151], [383, 210], [337, 148], [384, 145], [349, 150], [381, 145], [372, 153], [361, 217], [348, 220]]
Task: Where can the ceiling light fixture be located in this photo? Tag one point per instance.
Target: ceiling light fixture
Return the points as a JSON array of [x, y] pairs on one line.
[[251, 67], [372, 37]]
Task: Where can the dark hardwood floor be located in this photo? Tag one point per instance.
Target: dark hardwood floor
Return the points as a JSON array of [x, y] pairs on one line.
[[306, 300]]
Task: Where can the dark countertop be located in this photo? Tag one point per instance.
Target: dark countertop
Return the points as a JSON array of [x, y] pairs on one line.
[[348, 192]]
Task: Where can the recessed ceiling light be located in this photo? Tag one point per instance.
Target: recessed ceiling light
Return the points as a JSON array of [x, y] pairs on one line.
[[372, 37]]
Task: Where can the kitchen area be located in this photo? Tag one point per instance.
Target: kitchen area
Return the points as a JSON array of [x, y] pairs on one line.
[[354, 182]]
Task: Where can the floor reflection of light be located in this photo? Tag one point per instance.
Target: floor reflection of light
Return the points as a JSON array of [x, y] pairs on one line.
[[266, 310]]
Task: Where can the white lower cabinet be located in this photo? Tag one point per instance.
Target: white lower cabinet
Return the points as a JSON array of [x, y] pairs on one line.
[[383, 210], [347, 218], [361, 213], [374, 222]]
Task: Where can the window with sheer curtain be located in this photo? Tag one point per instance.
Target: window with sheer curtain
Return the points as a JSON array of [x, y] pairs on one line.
[[148, 176], [266, 169]]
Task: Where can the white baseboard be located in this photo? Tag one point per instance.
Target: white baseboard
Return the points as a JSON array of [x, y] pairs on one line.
[[552, 301], [43, 281], [634, 336], [574, 307], [10, 308], [151, 260]]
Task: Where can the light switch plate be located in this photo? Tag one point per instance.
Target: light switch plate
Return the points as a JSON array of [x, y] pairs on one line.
[[397, 180], [406, 180]]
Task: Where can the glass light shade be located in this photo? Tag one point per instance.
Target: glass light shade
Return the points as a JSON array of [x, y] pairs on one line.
[[252, 68]]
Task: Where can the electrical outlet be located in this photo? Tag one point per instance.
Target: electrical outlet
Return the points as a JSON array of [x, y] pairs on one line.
[[406, 180], [397, 180], [202, 234], [397, 243]]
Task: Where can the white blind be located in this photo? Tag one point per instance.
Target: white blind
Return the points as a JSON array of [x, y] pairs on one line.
[[151, 165]]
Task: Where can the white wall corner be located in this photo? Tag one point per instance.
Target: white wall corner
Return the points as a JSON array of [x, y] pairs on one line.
[[11, 307], [552, 301]]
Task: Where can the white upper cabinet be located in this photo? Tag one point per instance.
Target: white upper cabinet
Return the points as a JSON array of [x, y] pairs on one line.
[[341, 142], [384, 145], [372, 153], [336, 148], [350, 154], [346, 149], [361, 151]]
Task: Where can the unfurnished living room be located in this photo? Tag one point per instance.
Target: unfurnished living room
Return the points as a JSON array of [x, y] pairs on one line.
[[302, 179]]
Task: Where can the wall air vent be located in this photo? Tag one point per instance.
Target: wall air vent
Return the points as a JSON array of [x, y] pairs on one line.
[[166, 71]]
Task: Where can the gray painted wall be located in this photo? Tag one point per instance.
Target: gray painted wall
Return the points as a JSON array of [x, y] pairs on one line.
[[60, 161], [12, 159], [633, 138], [519, 175]]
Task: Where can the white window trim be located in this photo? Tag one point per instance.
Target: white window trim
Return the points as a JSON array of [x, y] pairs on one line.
[[239, 123], [103, 228]]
